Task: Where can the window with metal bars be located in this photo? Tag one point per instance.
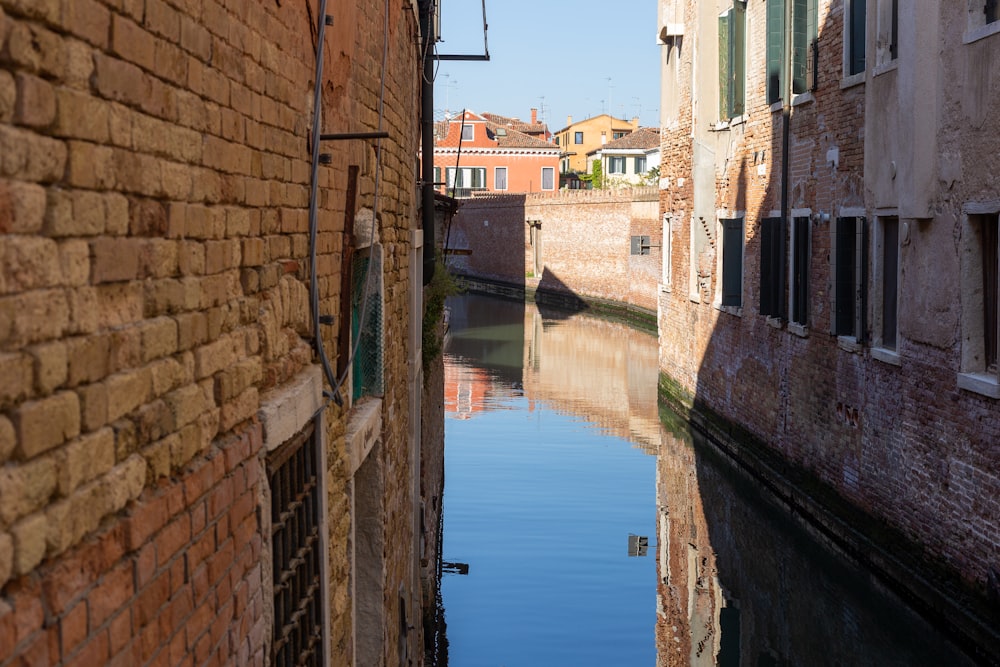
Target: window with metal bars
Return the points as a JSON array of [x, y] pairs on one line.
[[296, 555], [366, 323]]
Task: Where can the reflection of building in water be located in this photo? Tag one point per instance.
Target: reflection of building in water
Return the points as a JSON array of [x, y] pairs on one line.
[[601, 371], [740, 583], [468, 390], [689, 596]]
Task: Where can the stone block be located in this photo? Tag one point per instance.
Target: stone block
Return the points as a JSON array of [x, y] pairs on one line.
[[36, 101], [93, 406], [36, 49], [22, 207], [127, 391], [88, 19], [51, 364], [26, 488], [132, 43], [74, 262], [210, 359], [8, 92], [33, 317], [29, 542], [89, 358], [236, 379], [90, 166], [158, 457], [239, 409], [8, 439], [187, 404], [191, 258], [46, 423], [285, 410], [114, 259], [81, 116], [29, 262], [159, 338], [15, 377], [29, 156], [85, 459], [84, 313], [6, 555]]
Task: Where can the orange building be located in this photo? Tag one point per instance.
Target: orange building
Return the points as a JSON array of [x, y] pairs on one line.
[[474, 154]]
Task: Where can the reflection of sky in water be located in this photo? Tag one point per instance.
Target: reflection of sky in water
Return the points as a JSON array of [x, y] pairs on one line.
[[540, 506]]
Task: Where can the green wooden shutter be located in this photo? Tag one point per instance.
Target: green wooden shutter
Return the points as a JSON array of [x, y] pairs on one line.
[[857, 37], [770, 267], [800, 275], [725, 76], [732, 262], [738, 57], [800, 45], [775, 48], [845, 272]]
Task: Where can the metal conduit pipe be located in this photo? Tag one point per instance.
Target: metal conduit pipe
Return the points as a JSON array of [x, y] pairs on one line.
[[427, 137]]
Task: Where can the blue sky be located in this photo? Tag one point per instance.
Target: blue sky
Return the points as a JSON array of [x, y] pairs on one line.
[[564, 57]]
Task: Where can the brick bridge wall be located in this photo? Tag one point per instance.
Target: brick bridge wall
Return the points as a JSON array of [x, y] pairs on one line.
[[582, 245], [154, 174]]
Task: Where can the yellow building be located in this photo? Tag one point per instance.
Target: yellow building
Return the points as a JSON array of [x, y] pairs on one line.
[[577, 139]]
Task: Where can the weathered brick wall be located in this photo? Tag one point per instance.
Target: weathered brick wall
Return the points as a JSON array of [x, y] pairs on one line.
[[154, 186], [894, 440], [583, 244]]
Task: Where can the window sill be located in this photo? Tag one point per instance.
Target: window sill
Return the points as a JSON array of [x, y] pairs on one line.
[[980, 383], [981, 32], [775, 322], [727, 124], [732, 310], [665, 289], [364, 427], [800, 330], [851, 80], [885, 68], [777, 106], [803, 98], [848, 344], [694, 297], [886, 356]]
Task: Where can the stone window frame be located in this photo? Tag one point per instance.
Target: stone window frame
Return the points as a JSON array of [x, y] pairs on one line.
[[496, 179], [973, 374], [978, 27], [846, 342], [552, 179], [468, 132]]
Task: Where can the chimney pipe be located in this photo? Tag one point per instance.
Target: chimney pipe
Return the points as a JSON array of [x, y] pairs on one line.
[[569, 120], [534, 116]]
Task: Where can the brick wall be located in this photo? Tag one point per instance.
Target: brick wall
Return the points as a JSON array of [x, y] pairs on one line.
[[154, 290], [892, 439], [582, 247]]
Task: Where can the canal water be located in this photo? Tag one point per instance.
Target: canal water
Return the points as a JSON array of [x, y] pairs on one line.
[[583, 525]]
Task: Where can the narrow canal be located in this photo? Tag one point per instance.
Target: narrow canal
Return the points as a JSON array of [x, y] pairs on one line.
[[585, 526]]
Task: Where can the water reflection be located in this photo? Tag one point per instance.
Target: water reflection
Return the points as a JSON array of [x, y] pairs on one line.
[[551, 423]]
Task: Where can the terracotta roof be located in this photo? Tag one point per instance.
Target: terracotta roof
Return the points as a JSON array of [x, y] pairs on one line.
[[510, 139], [517, 124], [643, 139]]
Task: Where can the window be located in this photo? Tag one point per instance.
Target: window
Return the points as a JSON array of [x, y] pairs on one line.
[[667, 249], [991, 11], [850, 279], [803, 34], [800, 270], [366, 322], [618, 135], [548, 178], [468, 132], [557, 140], [772, 266], [467, 177], [980, 272], [297, 559], [854, 36], [732, 60], [886, 45], [888, 275], [616, 164], [500, 178], [640, 165], [437, 176], [578, 137], [732, 262], [640, 245]]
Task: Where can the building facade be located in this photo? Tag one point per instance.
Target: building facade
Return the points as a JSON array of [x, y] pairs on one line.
[[475, 155], [829, 285], [630, 160], [578, 139], [201, 459]]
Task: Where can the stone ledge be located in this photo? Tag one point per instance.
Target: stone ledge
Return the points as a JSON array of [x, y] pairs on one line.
[[285, 410]]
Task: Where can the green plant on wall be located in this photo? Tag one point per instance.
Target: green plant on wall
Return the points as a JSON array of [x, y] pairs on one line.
[[441, 286], [596, 175], [651, 177]]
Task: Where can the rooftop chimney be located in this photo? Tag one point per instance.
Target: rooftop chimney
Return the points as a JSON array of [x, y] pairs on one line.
[[569, 120], [534, 116], [635, 121]]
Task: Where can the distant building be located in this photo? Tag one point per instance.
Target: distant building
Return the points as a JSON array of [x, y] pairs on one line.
[[628, 161], [473, 154], [535, 128], [577, 139]]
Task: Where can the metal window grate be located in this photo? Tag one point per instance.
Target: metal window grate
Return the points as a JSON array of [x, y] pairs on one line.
[[296, 555], [366, 325]]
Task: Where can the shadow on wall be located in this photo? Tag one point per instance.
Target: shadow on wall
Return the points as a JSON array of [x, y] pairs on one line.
[[555, 299], [487, 239]]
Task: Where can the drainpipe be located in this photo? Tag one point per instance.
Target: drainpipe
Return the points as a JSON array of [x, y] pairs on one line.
[[427, 136], [786, 118]]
